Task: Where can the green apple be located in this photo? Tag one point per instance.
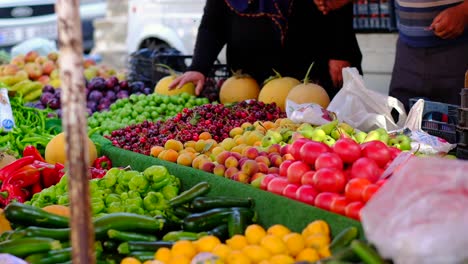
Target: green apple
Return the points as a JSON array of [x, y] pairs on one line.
[[286, 134], [360, 136], [328, 127], [329, 141], [372, 135], [318, 135], [347, 128], [267, 141], [338, 133], [403, 142], [306, 131]]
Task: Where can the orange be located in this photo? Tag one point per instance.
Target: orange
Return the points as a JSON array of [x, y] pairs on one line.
[[185, 248], [221, 250], [274, 244], [317, 241], [278, 230], [282, 259], [130, 260], [308, 254], [163, 254], [206, 243], [256, 253], [237, 242], [237, 257], [316, 227], [294, 242], [254, 234]]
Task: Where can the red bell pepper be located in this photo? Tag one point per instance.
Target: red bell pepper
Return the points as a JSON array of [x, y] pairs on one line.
[[6, 171], [51, 174], [24, 177], [102, 163], [97, 173], [30, 150], [37, 187], [10, 193]]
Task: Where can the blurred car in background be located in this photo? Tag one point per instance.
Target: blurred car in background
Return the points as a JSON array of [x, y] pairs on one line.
[[21, 20]]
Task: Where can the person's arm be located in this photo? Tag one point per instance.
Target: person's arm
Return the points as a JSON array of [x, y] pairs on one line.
[[451, 22], [211, 36]]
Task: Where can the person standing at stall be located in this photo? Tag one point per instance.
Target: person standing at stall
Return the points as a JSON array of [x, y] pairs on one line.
[[432, 50], [285, 35]]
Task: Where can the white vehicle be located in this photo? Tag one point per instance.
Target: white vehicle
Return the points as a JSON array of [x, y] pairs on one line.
[[21, 20], [163, 23]]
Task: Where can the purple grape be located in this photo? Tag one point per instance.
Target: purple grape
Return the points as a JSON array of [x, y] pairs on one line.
[[136, 87], [58, 92], [46, 97], [89, 111], [123, 85], [54, 103], [111, 82], [147, 90], [102, 107], [110, 95], [91, 105], [105, 101], [97, 83], [95, 96], [48, 89], [116, 89], [122, 94]]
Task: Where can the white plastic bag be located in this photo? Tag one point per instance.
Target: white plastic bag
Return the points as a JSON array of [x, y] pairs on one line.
[[419, 215], [42, 46], [308, 113], [365, 109], [6, 115]]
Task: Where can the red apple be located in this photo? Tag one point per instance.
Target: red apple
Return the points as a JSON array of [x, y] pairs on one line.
[[355, 188], [311, 150], [295, 148], [348, 150], [325, 199], [283, 168], [290, 191], [307, 178], [277, 185], [365, 168], [369, 191], [394, 152], [377, 151], [338, 205], [296, 170], [328, 160], [266, 180], [329, 180], [353, 210], [306, 193]]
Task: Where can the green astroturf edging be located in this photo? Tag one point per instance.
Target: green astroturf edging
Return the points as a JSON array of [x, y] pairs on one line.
[[271, 208]]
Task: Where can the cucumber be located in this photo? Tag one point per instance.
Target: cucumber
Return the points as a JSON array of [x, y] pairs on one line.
[[181, 212], [205, 203], [148, 246], [182, 235], [367, 254], [237, 222], [345, 254], [129, 236], [126, 222], [343, 239], [198, 189], [23, 247], [205, 221], [142, 255], [55, 233], [56, 257], [220, 232], [110, 245], [28, 215]]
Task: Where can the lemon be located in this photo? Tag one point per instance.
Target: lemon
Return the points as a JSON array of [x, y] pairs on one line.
[[254, 233], [324, 252], [316, 227], [130, 260], [221, 251], [237, 257], [256, 253], [237, 242], [282, 259], [163, 254], [278, 230], [206, 243], [273, 244], [308, 254], [317, 241], [294, 242], [183, 248], [179, 259]]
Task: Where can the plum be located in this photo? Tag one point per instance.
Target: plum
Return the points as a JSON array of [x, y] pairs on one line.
[[122, 94], [97, 83], [136, 87], [48, 89], [116, 89], [58, 92], [54, 103], [147, 90], [123, 85], [111, 82], [111, 96], [59, 113], [95, 96], [46, 97], [91, 105], [89, 111], [102, 107]]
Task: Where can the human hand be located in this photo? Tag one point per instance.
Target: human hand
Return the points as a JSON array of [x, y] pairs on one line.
[[325, 6], [190, 76], [451, 22], [335, 68]]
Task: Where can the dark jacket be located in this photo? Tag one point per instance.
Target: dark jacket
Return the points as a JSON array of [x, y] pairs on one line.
[[256, 46]]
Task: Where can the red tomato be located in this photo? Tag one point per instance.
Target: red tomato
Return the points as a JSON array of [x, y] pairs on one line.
[[283, 168], [277, 185], [295, 148], [307, 178], [328, 160], [296, 170], [324, 200], [329, 180], [369, 191], [338, 205], [365, 168], [311, 150], [355, 187], [266, 180], [377, 151], [348, 150], [306, 194], [353, 210]]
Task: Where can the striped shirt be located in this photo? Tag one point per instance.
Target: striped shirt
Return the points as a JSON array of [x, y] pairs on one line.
[[414, 18]]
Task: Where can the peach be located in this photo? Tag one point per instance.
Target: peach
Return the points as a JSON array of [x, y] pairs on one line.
[[31, 56], [53, 56], [256, 176], [236, 155], [18, 61], [221, 157], [263, 159], [240, 177], [274, 148], [48, 67], [250, 152], [231, 162], [10, 69], [262, 167], [41, 60], [229, 172], [242, 161], [273, 170], [219, 169], [198, 160], [276, 160], [185, 159], [250, 167], [34, 70], [207, 166], [44, 79], [216, 150]]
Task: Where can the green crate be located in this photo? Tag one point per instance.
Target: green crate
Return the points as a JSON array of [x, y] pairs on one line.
[[272, 209]]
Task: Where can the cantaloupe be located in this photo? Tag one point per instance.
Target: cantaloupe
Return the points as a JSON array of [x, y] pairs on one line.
[[276, 89], [57, 209], [237, 88], [55, 150], [162, 87], [309, 93]]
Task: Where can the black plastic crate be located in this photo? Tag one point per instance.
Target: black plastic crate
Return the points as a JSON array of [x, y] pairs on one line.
[[464, 98], [462, 135], [462, 152], [463, 117], [374, 16]]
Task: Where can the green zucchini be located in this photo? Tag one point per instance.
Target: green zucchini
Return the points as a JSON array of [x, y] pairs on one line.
[[142, 255], [343, 239], [220, 232], [367, 254], [29, 215], [182, 235], [33, 258], [204, 203], [55, 233], [198, 189], [181, 212], [23, 247], [110, 245], [205, 221], [237, 222], [126, 222], [148, 246], [129, 236], [345, 254]]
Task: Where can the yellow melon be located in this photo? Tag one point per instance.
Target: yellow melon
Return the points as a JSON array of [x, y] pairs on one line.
[[276, 90], [238, 88], [55, 150], [162, 87]]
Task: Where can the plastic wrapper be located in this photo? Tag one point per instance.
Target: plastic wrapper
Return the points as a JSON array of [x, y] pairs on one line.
[[6, 115], [365, 109], [41, 45], [10, 259], [308, 113], [419, 215]]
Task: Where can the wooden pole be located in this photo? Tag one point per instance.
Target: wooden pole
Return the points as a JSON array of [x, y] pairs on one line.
[[75, 127]]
